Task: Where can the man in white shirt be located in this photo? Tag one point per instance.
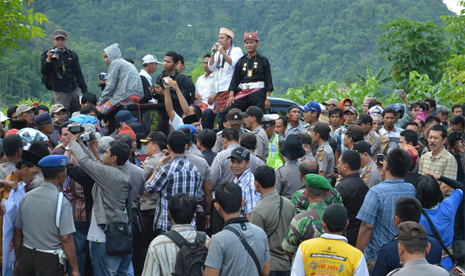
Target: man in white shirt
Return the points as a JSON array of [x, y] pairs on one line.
[[205, 88], [222, 63], [149, 63]]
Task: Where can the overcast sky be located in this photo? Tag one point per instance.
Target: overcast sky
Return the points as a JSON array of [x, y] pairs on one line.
[[452, 4]]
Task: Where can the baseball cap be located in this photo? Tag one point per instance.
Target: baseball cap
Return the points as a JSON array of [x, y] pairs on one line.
[[43, 119], [362, 147], [125, 116], [331, 101], [24, 108], [292, 147], [13, 141], [240, 153], [53, 161], [317, 181], [335, 216], [60, 33], [292, 107], [103, 144], [306, 138], [157, 137], [3, 118], [252, 111], [363, 119], [396, 107], [312, 106], [234, 116], [405, 231], [442, 109], [150, 59], [322, 128], [355, 130], [351, 109], [57, 108]]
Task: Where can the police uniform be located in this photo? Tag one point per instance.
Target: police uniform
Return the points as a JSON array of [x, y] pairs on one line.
[[325, 158], [375, 141], [307, 225], [219, 139], [262, 143], [287, 176], [371, 175], [307, 156], [42, 228], [274, 159]]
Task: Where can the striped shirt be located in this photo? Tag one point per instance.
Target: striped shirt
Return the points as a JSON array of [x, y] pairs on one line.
[[178, 176], [251, 196], [162, 252]]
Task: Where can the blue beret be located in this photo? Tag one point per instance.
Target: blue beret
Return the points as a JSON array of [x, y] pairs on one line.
[[53, 161], [193, 129], [43, 119]]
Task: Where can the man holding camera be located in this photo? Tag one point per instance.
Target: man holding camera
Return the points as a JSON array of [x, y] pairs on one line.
[[149, 63], [62, 72]]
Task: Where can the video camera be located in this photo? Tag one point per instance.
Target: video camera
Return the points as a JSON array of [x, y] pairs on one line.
[[75, 128], [103, 76]]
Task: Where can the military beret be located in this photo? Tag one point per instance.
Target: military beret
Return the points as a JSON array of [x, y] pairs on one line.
[[52, 161], [317, 181]]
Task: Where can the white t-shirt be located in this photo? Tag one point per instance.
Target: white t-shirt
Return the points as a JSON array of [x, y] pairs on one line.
[[177, 121], [205, 87], [95, 233]]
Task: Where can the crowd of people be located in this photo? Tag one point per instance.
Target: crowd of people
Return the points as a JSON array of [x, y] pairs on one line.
[[319, 190]]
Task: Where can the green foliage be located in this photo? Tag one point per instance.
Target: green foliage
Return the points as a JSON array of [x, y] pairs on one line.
[[30, 101], [198, 71], [378, 76], [17, 24], [413, 46]]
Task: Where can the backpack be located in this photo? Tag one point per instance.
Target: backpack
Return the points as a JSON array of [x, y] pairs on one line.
[[47, 78], [190, 260]]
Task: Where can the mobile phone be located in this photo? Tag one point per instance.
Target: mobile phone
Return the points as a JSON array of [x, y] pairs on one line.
[[335, 170], [398, 91], [459, 269], [380, 159], [166, 80], [280, 138]]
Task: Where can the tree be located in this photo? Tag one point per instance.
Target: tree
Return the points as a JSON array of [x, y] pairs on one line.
[[16, 25], [378, 77], [413, 46]]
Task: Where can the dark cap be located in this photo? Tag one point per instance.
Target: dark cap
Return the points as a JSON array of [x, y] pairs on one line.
[[292, 147], [253, 111], [235, 117], [53, 161], [43, 119], [405, 229], [248, 140], [355, 130], [13, 141], [351, 109], [335, 216], [306, 138], [31, 157], [362, 147], [322, 128], [363, 119], [157, 137], [60, 33], [292, 107], [240, 153], [125, 116]]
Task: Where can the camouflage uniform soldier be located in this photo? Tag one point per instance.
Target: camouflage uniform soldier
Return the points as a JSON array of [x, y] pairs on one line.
[[308, 225], [301, 202]]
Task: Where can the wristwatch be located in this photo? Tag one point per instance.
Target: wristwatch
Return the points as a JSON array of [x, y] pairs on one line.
[[67, 148]]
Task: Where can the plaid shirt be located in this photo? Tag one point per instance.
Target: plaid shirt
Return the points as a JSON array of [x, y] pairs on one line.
[[178, 176], [443, 164], [339, 137], [378, 210], [251, 196], [77, 195]]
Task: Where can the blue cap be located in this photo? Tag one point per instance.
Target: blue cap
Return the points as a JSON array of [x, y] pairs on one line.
[[52, 161], [125, 116], [43, 119], [312, 106], [84, 119], [396, 107], [193, 129]]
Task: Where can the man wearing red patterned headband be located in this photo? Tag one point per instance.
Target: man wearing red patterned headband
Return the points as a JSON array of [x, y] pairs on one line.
[[253, 77]]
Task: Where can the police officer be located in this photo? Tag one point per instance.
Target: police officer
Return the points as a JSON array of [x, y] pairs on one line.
[[233, 120], [312, 111], [324, 155], [274, 159], [413, 246], [369, 172], [287, 176], [366, 122], [43, 236], [306, 145]]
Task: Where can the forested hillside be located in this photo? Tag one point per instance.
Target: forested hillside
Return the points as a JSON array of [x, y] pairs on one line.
[[307, 42]]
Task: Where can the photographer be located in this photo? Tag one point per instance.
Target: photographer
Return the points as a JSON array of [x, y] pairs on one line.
[[149, 62], [59, 67]]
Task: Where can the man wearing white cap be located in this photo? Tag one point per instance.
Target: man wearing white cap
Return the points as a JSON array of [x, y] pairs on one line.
[[149, 63], [223, 62]]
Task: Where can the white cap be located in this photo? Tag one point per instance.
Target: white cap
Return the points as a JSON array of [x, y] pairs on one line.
[[3, 118], [150, 59]]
